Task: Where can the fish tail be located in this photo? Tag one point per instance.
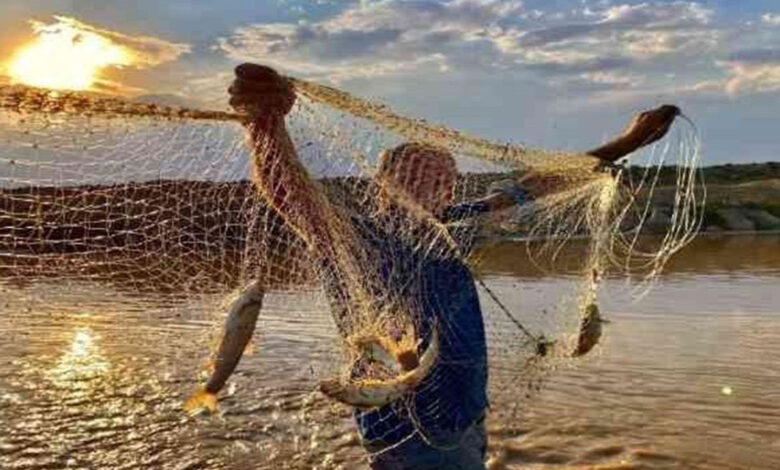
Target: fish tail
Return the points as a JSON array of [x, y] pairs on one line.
[[202, 400]]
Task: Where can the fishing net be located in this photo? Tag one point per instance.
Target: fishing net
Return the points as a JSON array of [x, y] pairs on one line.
[[158, 203]]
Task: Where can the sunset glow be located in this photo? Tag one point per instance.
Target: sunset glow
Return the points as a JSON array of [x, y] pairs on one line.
[[63, 57]]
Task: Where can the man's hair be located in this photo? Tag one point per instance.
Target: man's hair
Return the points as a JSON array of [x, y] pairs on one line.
[[412, 154]]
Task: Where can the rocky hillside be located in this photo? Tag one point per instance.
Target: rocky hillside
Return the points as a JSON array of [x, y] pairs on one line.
[[739, 198]]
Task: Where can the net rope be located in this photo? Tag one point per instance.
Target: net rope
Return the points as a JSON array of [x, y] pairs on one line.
[[158, 201]]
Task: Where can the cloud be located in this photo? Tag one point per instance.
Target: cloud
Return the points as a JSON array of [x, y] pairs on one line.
[[635, 32], [748, 71], [632, 19], [672, 15], [377, 38], [145, 51], [756, 56], [637, 49], [389, 37], [613, 79], [461, 15], [582, 66], [771, 18], [752, 71]]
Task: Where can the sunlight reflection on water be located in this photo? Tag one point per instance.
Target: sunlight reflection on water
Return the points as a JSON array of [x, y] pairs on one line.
[[82, 361]]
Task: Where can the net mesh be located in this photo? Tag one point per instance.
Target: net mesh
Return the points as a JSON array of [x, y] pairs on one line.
[[156, 201]]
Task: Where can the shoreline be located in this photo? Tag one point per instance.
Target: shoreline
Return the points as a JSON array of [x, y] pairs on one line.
[[523, 239], [133, 213]]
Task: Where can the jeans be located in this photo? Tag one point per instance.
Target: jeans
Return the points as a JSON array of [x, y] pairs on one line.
[[466, 453]]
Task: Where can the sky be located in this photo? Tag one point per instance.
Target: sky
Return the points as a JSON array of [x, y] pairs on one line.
[[556, 74]]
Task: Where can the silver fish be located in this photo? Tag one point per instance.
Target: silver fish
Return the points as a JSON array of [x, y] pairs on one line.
[[376, 393], [238, 330]]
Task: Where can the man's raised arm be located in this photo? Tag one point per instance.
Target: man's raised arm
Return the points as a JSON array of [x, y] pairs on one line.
[[266, 97], [645, 129], [500, 195]]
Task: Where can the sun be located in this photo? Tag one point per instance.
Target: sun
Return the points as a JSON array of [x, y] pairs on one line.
[[62, 57]]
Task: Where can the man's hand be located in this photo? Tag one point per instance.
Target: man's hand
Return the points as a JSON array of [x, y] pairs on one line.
[[646, 128], [260, 91]]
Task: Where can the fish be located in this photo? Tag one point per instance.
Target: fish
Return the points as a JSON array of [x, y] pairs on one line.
[[397, 352], [590, 330], [238, 330], [369, 393]]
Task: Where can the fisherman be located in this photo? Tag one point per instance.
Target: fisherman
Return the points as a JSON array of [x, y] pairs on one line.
[[448, 429], [441, 424]]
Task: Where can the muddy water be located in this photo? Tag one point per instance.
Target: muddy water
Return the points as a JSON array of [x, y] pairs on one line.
[[686, 377]]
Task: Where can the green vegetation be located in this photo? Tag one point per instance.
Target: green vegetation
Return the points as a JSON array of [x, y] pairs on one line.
[[773, 209], [712, 218]]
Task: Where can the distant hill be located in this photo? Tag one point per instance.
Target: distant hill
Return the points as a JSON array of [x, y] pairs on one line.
[[740, 197], [730, 173], [164, 100]]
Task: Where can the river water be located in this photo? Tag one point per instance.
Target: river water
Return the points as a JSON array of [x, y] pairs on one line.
[[686, 377]]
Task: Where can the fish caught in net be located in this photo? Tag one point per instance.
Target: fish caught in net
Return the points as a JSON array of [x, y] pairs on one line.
[[166, 202]]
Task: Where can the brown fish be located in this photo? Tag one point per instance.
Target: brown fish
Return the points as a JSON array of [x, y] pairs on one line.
[[590, 330]]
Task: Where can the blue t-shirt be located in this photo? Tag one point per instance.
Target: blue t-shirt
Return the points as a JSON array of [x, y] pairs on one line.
[[424, 272]]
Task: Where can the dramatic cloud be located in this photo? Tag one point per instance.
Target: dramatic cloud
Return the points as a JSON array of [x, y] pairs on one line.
[[388, 37], [145, 51], [613, 23], [70, 54], [640, 49], [620, 35], [552, 73], [378, 38]]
